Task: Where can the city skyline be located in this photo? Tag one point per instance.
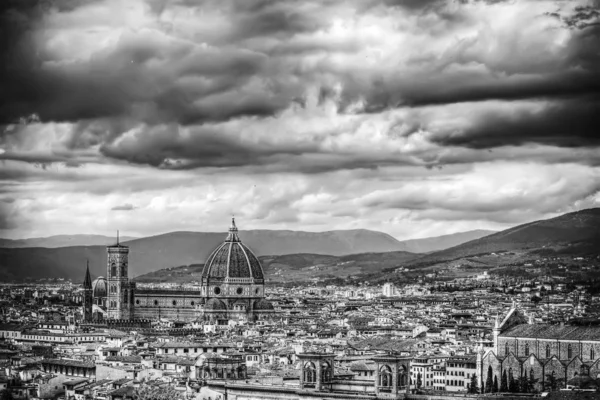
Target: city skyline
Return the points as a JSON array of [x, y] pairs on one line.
[[413, 118]]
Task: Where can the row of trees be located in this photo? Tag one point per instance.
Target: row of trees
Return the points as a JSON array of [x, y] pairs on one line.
[[510, 384]]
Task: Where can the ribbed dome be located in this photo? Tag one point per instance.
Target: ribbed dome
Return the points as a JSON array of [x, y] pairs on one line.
[[232, 259], [99, 287], [215, 304]]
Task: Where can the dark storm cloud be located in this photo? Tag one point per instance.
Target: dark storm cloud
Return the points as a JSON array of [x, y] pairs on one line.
[[567, 123], [260, 62], [172, 147], [143, 76]]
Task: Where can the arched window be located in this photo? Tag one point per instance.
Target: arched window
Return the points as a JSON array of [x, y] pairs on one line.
[[327, 372], [569, 352], [547, 351], [385, 376], [527, 349], [310, 373], [506, 349], [592, 354], [113, 270], [402, 376]]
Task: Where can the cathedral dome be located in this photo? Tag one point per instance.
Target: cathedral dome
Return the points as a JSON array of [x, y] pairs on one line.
[[232, 259], [99, 288], [215, 304]]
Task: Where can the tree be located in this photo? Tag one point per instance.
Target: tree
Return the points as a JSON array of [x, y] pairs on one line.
[[551, 382], [489, 381], [495, 388], [474, 387], [419, 382], [147, 392], [531, 382], [504, 383], [523, 383], [512, 384], [6, 395], [536, 299]]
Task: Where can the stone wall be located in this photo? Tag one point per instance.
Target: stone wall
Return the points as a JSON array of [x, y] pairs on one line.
[[180, 314]]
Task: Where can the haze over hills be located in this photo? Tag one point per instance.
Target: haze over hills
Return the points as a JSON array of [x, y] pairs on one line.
[[576, 233], [62, 241], [573, 233], [436, 243], [183, 248], [348, 239]]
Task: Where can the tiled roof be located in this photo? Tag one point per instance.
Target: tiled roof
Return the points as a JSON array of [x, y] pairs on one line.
[[557, 332], [127, 359], [123, 391], [362, 366], [69, 363]]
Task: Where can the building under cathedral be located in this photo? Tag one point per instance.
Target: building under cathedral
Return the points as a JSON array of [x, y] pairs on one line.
[[232, 289]]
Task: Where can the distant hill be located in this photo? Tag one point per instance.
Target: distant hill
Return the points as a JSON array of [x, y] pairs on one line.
[[296, 267], [575, 233], [183, 248], [303, 267], [436, 243], [62, 241]]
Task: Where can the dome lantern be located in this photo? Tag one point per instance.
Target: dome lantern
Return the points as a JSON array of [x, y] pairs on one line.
[[233, 233]]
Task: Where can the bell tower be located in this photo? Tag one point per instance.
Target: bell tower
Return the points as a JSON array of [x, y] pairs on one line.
[[87, 295], [120, 290]]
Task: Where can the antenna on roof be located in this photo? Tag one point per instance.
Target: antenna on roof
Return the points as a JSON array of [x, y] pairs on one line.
[[117, 237]]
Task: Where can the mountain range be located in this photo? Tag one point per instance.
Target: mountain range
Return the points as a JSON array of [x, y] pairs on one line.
[[576, 233], [62, 241], [185, 248], [283, 252]]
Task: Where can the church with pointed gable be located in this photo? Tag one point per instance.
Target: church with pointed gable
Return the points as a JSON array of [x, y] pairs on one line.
[[232, 289], [546, 355]]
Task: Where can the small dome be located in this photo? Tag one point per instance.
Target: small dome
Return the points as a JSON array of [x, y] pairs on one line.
[[99, 287], [215, 305], [232, 259], [263, 305]]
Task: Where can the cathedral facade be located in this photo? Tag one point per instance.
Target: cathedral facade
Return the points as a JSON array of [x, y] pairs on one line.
[[232, 289]]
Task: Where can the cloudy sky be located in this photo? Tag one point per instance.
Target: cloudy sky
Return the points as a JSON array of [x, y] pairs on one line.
[[412, 117]]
